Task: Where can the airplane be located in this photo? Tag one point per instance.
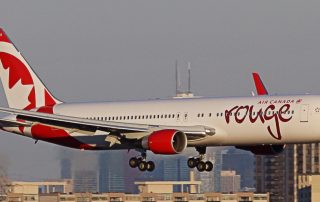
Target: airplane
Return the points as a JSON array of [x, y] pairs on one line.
[[261, 124]]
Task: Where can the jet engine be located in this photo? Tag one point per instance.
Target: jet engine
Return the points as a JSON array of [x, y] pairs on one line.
[[264, 149], [166, 141]]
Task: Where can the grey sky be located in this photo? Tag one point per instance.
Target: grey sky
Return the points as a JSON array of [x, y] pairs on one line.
[[118, 50]]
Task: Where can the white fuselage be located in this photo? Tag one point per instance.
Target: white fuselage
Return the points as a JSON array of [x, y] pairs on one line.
[[298, 122]]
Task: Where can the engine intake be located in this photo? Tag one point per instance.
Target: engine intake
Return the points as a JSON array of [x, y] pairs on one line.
[[168, 141], [264, 149]]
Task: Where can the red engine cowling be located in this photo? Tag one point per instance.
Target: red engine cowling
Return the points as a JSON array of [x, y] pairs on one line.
[[264, 149], [167, 141]]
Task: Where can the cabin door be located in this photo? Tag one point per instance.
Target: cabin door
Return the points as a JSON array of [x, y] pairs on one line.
[[304, 110]]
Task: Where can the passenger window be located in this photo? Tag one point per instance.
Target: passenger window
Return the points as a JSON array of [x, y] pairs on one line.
[[173, 116]]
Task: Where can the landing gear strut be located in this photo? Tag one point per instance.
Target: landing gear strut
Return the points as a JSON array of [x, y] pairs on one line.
[[141, 163], [197, 162]]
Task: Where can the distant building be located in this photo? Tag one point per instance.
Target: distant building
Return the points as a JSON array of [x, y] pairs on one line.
[[176, 169], [44, 187], [230, 182], [211, 180], [308, 188], [275, 174], [278, 174], [65, 168], [112, 171], [243, 162], [150, 191], [85, 181], [143, 197]]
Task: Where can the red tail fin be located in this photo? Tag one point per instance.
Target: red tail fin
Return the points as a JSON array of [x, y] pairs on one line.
[[261, 89], [23, 88]]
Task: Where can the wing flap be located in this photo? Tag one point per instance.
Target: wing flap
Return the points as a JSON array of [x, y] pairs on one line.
[[12, 123]]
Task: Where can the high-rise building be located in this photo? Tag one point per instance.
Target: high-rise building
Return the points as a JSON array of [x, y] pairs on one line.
[[85, 181], [230, 181], [175, 169], [243, 163], [211, 180], [65, 168], [111, 171], [278, 174]]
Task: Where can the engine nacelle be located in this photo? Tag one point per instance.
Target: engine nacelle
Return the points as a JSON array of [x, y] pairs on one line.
[[166, 141], [264, 149]]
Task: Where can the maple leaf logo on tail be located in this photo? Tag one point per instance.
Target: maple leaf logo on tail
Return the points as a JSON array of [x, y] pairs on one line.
[[24, 90]]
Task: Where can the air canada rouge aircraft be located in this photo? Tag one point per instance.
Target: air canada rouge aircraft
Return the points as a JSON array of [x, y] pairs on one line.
[[261, 124]]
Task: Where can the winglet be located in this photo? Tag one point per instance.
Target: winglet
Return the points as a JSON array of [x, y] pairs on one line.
[[3, 37], [261, 89]]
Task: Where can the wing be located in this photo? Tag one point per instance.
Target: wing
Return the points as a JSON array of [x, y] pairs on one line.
[[32, 117], [12, 123]]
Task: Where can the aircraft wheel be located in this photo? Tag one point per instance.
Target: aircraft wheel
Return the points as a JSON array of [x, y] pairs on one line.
[[150, 166], [143, 166], [133, 162], [192, 162], [201, 166], [209, 166]]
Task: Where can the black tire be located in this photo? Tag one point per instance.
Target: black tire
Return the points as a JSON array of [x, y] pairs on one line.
[[143, 166], [192, 162], [209, 166], [133, 162], [201, 166], [150, 166]]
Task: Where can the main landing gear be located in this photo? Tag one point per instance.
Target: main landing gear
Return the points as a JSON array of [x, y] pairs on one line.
[[141, 163], [199, 163]]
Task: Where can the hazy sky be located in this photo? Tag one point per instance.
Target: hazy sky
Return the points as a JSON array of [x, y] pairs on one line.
[[118, 50]]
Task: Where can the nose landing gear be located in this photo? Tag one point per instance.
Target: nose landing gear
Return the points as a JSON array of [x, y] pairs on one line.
[[197, 162], [141, 163]]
